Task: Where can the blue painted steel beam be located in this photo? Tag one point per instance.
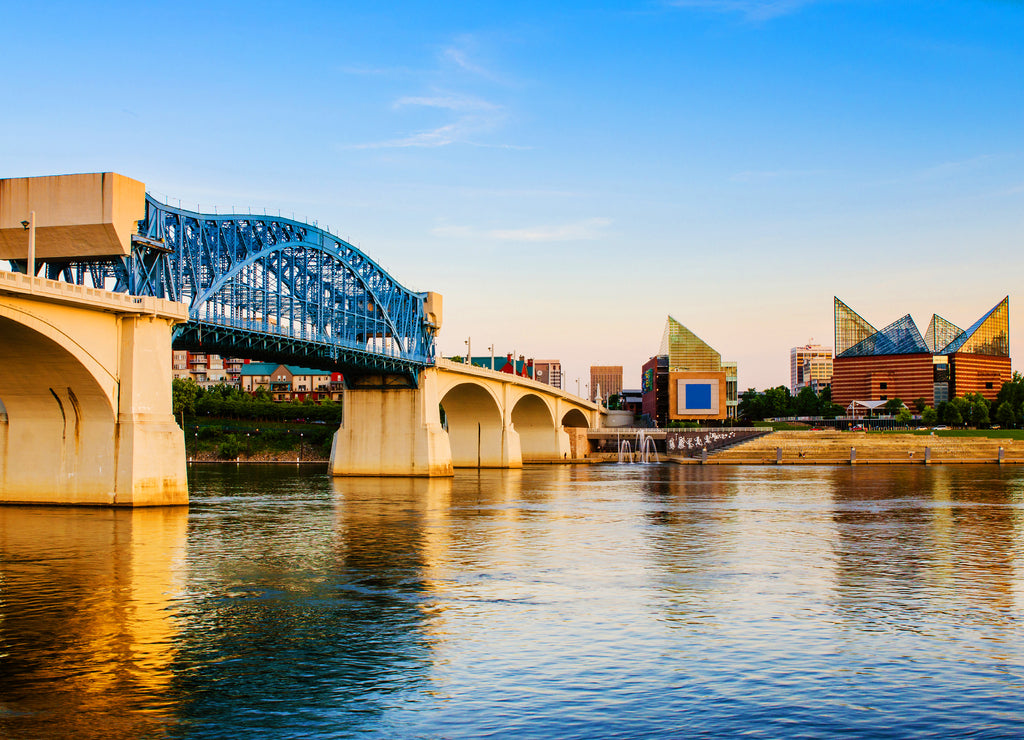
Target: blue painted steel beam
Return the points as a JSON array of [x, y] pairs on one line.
[[268, 287]]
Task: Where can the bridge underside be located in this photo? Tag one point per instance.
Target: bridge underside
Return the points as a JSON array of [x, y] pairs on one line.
[[356, 364]]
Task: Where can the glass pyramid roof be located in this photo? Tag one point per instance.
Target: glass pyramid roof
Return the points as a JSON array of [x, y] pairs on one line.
[[940, 333], [851, 329], [989, 335], [901, 337], [687, 351]]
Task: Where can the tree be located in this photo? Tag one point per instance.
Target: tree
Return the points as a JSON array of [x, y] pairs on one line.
[[751, 405], [806, 402], [979, 415], [904, 417], [778, 402], [919, 404], [973, 408], [184, 393], [1012, 392], [963, 410], [1005, 415], [929, 416], [953, 416], [893, 405]]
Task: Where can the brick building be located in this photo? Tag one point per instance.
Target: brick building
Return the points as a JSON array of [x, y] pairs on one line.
[[899, 362]]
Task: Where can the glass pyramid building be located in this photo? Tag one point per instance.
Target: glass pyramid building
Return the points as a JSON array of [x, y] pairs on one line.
[[989, 335]]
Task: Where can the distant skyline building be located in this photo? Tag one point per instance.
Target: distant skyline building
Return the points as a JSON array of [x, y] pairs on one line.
[[810, 365], [606, 377], [899, 362], [548, 371], [688, 379]]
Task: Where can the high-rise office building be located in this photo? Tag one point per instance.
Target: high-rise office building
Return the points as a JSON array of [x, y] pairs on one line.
[[605, 378], [807, 363]]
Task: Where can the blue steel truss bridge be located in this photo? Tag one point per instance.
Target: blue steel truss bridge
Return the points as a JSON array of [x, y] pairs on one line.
[[272, 289]]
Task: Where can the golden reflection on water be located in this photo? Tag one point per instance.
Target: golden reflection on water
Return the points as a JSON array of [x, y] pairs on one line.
[[92, 590], [338, 593]]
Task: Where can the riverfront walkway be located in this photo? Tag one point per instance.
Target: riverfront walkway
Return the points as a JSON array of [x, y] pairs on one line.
[[833, 448]]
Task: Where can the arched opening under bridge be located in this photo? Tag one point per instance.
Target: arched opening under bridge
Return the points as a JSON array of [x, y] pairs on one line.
[[533, 421], [475, 429]]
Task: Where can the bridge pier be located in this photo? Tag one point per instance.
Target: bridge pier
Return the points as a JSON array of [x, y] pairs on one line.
[[392, 432]]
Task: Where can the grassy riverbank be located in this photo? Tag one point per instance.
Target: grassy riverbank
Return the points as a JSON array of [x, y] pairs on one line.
[[233, 439]]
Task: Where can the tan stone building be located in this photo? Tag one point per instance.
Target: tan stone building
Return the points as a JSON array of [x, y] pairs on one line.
[[607, 379]]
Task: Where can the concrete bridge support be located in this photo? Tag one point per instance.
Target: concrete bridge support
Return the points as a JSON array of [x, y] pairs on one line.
[[392, 432], [86, 393]]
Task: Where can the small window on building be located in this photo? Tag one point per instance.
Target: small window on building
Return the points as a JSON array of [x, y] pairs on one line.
[[883, 386], [883, 398], [988, 386]]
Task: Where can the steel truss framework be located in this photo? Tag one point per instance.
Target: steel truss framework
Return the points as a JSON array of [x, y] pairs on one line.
[[268, 288]]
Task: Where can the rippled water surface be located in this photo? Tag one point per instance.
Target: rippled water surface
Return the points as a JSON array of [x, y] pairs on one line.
[[556, 601]]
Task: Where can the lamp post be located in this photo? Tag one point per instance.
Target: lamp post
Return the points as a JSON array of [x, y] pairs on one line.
[[492, 356], [469, 350], [30, 227]]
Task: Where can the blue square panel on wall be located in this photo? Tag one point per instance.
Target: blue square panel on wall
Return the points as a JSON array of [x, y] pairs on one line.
[[698, 396]]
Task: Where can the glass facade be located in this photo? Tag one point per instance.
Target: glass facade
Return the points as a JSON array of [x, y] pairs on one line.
[[940, 333], [851, 328], [685, 350], [899, 338], [990, 335]]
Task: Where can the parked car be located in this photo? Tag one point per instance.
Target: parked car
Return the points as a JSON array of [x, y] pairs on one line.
[[857, 428], [941, 426]]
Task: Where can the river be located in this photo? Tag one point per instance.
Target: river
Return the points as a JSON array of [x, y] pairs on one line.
[[555, 601]]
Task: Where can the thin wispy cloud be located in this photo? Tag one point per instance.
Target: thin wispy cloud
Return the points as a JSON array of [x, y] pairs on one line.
[[753, 176], [755, 10], [585, 230], [472, 117], [459, 103], [945, 169]]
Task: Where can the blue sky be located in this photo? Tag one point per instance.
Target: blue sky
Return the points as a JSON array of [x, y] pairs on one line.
[[567, 174]]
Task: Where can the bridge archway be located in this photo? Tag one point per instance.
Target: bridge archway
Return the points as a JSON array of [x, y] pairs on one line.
[[475, 428], [535, 424], [58, 421], [575, 418]]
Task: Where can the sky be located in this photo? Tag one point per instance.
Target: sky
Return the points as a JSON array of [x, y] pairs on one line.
[[568, 174]]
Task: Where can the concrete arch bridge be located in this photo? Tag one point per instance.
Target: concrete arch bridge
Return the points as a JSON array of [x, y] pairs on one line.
[[459, 416]]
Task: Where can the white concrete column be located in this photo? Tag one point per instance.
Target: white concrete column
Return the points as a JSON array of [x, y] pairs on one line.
[[150, 458], [562, 443], [511, 445], [394, 432]]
